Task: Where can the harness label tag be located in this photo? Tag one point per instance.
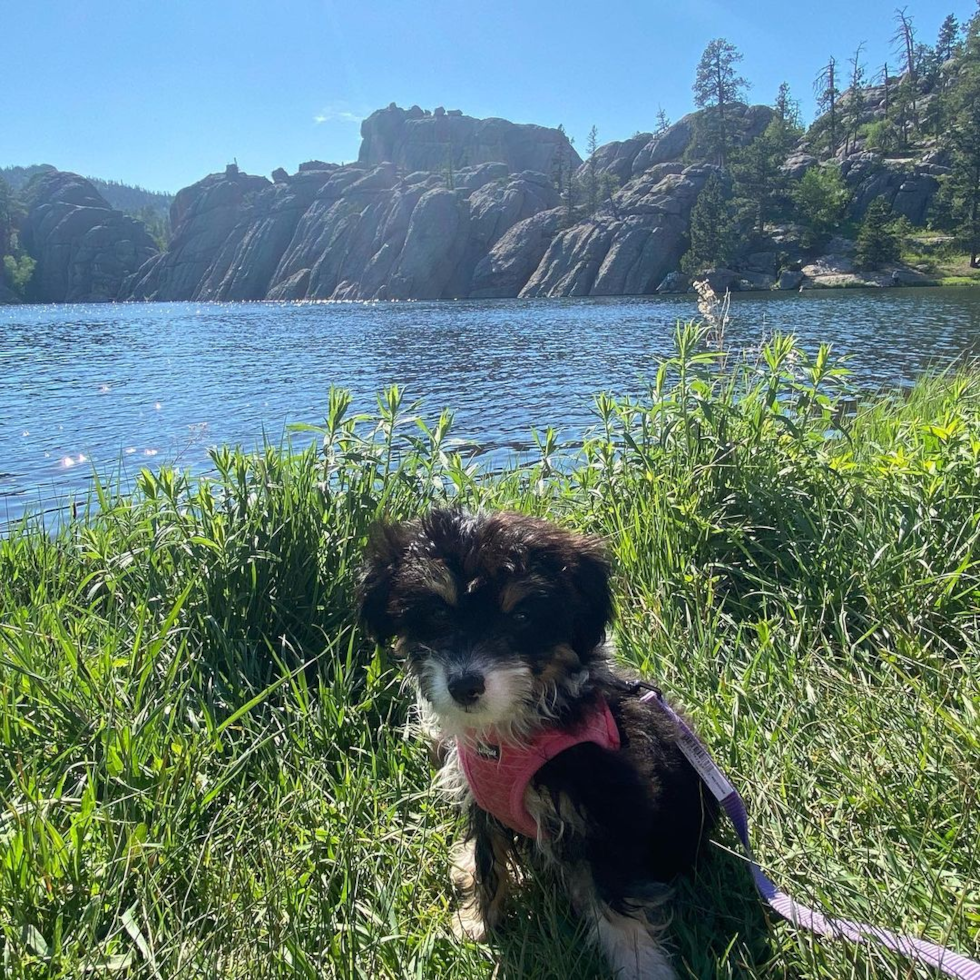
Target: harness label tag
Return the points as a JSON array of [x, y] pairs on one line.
[[487, 751]]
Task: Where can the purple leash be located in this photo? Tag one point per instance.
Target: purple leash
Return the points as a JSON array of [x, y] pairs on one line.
[[950, 963]]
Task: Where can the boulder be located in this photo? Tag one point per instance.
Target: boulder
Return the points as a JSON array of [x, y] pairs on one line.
[[755, 281], [851, 280], [721, 281], [909, 277], [681, 142], [829, 265], [908, 188], [797, 164], [616, 158], [667, 147], [674, 282], [915, 195], [789, 280]]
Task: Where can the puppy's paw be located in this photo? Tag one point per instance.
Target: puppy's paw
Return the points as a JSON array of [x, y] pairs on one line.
[[462, 871], [468, 919], [469, 924]]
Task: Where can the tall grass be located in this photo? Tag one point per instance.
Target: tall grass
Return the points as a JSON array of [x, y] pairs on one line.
[[205, 767]]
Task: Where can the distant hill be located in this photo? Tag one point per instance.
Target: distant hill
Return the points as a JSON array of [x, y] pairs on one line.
[[123, 197]]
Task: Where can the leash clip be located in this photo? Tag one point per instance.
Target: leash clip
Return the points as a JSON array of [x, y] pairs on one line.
[[637, 686]]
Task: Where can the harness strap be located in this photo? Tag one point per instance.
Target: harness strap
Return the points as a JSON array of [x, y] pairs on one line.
[[946, 960]]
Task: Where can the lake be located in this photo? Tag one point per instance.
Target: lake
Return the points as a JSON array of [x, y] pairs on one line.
[[119, 387]]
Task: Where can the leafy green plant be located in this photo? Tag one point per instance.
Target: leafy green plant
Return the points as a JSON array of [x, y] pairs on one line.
[[18, 272], [881, 135]]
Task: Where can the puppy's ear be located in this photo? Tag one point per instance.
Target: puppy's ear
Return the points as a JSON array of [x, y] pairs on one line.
[[382, 557], [591, 576]]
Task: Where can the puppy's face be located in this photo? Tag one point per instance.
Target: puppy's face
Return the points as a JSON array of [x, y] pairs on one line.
[[493, 613]]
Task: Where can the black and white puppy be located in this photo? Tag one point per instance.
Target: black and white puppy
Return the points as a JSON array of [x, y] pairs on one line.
[[501, 621]]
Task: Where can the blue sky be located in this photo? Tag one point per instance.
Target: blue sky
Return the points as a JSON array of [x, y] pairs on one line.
[[162, 92]]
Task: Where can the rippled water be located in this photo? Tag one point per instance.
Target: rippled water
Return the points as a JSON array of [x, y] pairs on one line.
[[133, 385]]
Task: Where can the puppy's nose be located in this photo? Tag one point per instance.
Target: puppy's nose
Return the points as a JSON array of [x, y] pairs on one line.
[[467, 688]]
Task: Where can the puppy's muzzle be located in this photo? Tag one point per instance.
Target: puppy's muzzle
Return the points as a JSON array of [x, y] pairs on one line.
[[467, 688]]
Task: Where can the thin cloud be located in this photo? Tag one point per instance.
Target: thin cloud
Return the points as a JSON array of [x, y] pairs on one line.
[[337, 113]]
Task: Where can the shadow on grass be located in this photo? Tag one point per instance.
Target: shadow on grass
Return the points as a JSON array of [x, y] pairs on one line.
[[718, 929]]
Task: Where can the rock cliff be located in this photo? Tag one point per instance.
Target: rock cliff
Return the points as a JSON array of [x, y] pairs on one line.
[[629, 158], [418, 140], [402, 223], [441, 205], [354, 232], [627, 247], [84, 249]]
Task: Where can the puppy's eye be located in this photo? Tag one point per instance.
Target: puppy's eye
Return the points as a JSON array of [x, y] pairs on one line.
[[520, 617]]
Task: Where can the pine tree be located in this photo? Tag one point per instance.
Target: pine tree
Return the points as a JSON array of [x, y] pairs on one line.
[[904, 109], [592, 172], [855, 96], [560, 163], [713, 231], [717, 87], [962, 189], [948, 39], [828, 95], [904, 41], [663, 123], [563, 176], [885, 79], [787, 108], [947, 45], [820, 199], [878, 240], [571, 187], [760, 186], [6, 218], [16, 267]]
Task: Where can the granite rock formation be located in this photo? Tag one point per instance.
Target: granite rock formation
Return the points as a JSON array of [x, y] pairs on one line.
[[441, 205], [626, 159], [84, 249], [339, 233], [628, 246], [418, 140], [907, 186], [403, 224]]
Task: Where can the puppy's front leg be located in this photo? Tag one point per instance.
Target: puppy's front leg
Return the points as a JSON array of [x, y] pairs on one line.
[[481, 876]]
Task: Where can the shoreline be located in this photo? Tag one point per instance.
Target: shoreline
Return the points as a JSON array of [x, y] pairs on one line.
[[946, 282]]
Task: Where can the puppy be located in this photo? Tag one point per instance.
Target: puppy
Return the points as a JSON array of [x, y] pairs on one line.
[[500, 619]]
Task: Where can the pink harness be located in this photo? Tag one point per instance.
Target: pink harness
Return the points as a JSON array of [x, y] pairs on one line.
[[498, 774]]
